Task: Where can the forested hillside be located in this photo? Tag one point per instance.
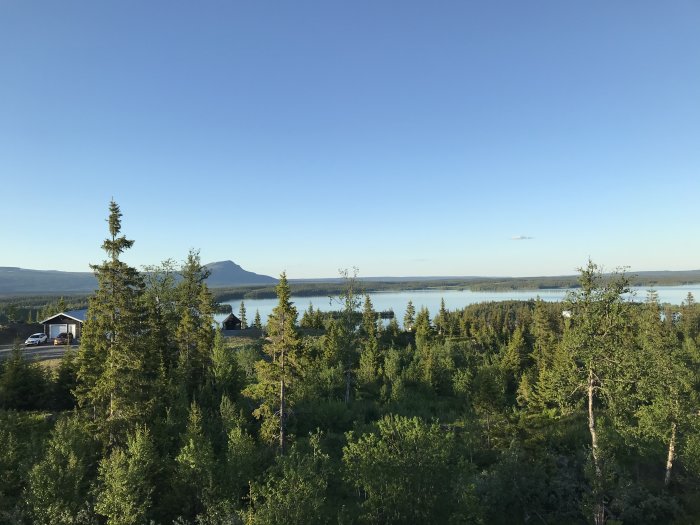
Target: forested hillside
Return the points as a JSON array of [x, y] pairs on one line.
[[500, 413]]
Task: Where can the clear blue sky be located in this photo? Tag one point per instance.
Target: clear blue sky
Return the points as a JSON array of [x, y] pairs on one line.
[[404, 138]]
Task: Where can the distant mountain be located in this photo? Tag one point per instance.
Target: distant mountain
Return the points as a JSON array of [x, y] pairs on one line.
[[228, 273], [23, 282]]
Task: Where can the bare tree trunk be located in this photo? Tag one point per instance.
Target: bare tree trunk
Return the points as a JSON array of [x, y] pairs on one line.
[[111, 367], [283, 408], [599, 507], [488, 430], [112, 340], [671, 455], [283, 436], [347, 387]]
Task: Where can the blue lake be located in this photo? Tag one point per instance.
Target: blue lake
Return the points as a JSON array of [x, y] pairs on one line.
[[454, 299]]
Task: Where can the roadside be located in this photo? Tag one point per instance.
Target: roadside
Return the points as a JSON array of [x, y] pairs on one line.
[[37, 353]]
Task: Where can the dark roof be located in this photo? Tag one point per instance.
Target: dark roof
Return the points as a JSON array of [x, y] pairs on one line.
[[78, 315], [231, 317]]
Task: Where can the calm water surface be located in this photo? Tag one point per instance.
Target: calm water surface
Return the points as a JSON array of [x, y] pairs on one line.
[[454, 300]]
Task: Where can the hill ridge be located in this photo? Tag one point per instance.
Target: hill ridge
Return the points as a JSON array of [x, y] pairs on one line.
[[14, 279]]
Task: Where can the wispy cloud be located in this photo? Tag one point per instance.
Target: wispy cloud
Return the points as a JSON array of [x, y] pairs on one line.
[[521, 238]]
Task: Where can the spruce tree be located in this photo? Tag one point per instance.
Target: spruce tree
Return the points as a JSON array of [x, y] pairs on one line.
[[196, 465], [369, 363], [240, 449], [513, 358], [660, 387], [442, 319], [393, 327], [224, 374], [294, 490], [276, 375], [690, 318], [423, 326], [307, 320], [14, 466], [127, 481], [348, 336], [406, 472], [195, 332], [116, 370], [160, 301], [544, 336], [409, 318], [59, 489], [23, 384], [242, 316]]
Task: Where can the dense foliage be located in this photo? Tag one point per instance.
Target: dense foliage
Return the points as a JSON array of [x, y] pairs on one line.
[[510, 412]]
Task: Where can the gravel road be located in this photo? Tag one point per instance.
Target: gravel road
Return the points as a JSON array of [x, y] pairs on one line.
[[37, 353]]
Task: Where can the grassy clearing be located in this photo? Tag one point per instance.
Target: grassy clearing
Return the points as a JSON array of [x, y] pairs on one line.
[[239, 342], [50, 364]]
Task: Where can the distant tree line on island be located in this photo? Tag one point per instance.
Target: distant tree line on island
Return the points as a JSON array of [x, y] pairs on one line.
[[585, 411]]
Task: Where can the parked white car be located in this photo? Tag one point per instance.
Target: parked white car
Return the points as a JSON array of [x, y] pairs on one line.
[[36, 339]]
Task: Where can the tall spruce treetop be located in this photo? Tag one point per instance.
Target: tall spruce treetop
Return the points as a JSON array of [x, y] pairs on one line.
[[544, 335], [116, 371], [117, 244], [242, 316], [194, 274], [442, 319], [369, 319], [348, 334], [282, 327], [409, 318], [283, 319], [195, 332]]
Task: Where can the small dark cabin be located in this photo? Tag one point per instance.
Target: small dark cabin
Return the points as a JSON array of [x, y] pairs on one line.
[[231, 323]]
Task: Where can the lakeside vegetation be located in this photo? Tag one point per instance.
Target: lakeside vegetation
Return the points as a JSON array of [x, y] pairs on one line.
[[498, 413]]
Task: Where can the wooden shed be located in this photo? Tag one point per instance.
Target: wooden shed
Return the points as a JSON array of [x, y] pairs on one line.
[[231, 323], [65, 322]]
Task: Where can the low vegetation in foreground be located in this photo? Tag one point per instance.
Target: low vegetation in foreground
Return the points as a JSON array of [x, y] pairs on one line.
[[512, 412]]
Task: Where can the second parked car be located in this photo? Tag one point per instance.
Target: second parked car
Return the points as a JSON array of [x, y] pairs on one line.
[[63, 339]]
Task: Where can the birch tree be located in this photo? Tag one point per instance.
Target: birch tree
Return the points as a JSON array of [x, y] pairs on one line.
[[665, 396], [597, 341]]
